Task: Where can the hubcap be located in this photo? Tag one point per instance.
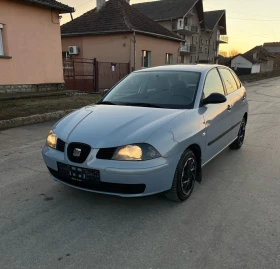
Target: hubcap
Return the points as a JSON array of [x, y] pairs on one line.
[[241, 134], [188, 176]]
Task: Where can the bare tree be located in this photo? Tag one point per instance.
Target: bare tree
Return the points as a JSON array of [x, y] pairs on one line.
[[233, 53], [223, 53]]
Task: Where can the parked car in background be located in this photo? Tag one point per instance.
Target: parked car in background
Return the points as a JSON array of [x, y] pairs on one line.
[[151, 133]]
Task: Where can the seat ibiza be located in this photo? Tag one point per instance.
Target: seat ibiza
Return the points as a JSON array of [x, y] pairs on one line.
[[151, 133]]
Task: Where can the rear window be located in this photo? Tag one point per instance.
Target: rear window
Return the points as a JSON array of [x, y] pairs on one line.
[[236, 79], [229, 80]]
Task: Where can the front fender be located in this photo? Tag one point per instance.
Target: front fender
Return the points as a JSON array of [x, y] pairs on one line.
[[179, 134]]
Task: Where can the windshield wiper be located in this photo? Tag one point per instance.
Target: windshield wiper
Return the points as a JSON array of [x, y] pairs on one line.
[[143, 105], [106, 103]]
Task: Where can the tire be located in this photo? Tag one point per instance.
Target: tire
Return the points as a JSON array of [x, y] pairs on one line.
[[184, 178], [238, 142]]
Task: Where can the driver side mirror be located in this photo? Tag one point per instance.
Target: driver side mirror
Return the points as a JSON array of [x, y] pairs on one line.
[[213, 98], [105, 92]]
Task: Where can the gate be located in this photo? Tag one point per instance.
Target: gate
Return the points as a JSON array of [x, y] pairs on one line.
[[111, 73], [89, 75], [80, 74]]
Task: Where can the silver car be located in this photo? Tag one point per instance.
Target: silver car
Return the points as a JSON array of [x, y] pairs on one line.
[[151, 133]]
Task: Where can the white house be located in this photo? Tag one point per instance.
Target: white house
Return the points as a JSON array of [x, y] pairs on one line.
[[256, 60]]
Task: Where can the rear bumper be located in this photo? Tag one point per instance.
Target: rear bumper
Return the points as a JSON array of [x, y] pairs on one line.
[[126, 179]]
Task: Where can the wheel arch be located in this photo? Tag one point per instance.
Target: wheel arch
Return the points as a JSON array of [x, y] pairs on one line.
[[246, 117]]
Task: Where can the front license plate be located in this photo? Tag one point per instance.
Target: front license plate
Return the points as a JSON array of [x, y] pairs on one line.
[[79, 174]]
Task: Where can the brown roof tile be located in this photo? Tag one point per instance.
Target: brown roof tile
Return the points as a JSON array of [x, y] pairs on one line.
[[62, 8], [115, 16]]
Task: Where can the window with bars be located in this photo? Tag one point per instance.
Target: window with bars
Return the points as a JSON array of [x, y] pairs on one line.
[[146, 58], [1, 40], [169, 58]]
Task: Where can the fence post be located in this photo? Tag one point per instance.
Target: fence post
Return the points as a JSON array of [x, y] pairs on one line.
[[96, 74]]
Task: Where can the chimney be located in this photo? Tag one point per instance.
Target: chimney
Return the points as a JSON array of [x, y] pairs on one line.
[[99, 4]]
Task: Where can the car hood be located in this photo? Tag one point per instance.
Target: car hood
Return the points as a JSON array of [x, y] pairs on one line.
[[103, 126]]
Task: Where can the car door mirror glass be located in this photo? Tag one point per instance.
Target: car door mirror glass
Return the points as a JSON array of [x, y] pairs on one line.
[[213, 98]]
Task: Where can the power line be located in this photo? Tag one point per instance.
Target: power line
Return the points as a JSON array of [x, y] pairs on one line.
[[83, 4]]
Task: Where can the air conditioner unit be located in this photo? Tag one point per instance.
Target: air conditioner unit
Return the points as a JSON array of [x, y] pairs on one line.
[[73, 50]]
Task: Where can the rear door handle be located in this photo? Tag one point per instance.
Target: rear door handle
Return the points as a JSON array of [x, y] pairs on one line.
[[229, 108]]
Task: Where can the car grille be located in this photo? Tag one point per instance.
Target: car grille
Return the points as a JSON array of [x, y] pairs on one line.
[[85, 150], [60, 145], [106, 153], [102, 186]]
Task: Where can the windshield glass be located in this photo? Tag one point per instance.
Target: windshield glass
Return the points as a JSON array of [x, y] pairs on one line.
[[167, 89]]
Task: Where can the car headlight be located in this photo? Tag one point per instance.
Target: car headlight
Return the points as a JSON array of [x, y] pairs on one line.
[[51, 140], [136, 152]]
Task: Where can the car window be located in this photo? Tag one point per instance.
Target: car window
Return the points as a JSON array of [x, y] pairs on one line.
[[230, 83], [168, 89], [236, 79], [213, 84]]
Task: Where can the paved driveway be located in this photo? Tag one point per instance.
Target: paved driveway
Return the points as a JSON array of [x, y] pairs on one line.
[[231, 221]]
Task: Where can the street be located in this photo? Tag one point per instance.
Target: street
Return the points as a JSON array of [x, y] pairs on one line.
[[232, 220]]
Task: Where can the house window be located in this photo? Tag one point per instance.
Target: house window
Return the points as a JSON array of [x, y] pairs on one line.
[[206, 50], [201, 41], [169, 58], [201, 49], [214, 46], [146, 58], [192, 40], [1, 41], [191, 60], [196, 40], [206, 41], [65, 54]]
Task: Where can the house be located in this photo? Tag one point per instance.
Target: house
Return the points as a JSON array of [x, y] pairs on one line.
[[116, 32], [202, 31], [274, 49], [30, 45], [256, 60], [213, 35]]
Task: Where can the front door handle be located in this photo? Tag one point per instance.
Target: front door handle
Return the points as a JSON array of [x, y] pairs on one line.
[[229, 108]]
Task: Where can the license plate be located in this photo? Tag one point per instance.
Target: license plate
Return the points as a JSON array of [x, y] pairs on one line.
[[79, 174]]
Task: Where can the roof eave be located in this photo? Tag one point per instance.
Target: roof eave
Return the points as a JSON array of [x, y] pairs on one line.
[[123, 31], [61, 10]]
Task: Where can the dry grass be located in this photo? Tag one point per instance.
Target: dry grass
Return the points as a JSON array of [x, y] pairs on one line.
[[25, 107]]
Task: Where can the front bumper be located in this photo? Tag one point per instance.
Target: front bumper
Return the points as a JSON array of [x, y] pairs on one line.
[[122, 178]]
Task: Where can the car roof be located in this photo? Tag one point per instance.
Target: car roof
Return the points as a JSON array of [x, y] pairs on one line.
[[182, 67]]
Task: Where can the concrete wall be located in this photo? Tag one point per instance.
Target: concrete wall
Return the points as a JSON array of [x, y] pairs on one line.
[[267, 66], [119, 48], [240, 62], [256, 68], [158, 47], [31, 37], [105, 48]]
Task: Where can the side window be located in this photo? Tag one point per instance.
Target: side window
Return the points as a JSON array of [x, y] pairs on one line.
[[230, 83], [213, 84], [237, 80], [1, 41]]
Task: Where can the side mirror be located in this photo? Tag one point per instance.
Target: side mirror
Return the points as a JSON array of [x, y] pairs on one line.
[[105, 92], [213, 98]]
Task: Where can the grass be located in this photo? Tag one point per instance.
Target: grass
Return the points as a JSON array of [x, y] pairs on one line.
[[26, 107]]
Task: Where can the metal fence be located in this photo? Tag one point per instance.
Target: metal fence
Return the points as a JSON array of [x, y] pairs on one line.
[[89, 75]]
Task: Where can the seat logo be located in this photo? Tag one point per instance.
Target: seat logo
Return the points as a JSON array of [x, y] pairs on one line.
[[77, 152]]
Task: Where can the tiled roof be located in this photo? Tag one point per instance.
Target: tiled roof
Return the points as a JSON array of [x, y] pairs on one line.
[[62, 8], [115, 16], [263, 54], [166, 9], [212, 18]]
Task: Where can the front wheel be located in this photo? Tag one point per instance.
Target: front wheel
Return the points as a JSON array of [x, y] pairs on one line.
[[184, 178], [238, 142]]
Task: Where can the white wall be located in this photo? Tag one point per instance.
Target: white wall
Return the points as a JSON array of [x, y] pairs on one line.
[[240, 62], [256, 68]]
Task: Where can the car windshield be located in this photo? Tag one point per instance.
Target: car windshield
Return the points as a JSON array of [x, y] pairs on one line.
[[161, 89]]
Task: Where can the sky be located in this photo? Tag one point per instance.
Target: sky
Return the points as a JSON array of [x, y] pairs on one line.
[[249, 22]]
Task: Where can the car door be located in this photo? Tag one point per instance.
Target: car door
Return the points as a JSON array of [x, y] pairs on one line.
[[217, 117], [236, 94]]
